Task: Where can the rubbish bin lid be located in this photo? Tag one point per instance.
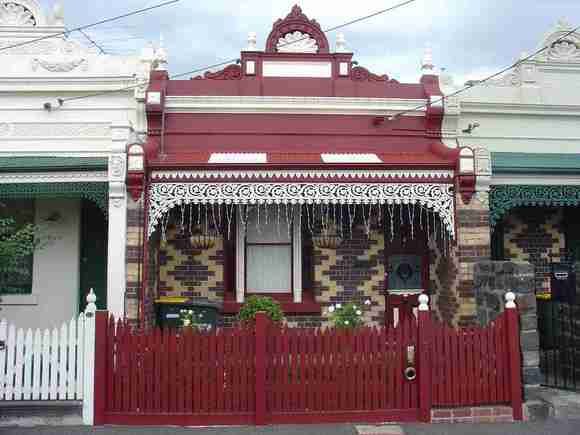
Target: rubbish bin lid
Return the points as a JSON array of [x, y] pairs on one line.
[[171, 300]]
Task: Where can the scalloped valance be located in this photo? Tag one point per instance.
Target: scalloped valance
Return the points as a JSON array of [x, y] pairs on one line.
[[436, 197], [503, 198], [97, 192]]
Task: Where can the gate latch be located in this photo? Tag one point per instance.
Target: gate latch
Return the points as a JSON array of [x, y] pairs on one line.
[[410, 355], [2, 345]]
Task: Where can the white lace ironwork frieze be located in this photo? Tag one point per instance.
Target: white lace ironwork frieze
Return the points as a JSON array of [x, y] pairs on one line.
[[437, 197]]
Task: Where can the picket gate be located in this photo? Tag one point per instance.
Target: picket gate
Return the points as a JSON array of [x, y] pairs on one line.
[[51, 364]]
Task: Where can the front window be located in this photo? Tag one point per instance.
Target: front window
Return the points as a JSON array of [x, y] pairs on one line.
[[268, 254], [16, 276]]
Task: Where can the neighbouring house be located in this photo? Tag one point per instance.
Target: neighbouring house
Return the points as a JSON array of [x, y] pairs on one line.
[[299, 174], [525, 119], [524, 124], [62, 162]]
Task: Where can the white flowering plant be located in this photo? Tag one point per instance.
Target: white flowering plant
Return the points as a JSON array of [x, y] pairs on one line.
[[190, 319], [347, 316]]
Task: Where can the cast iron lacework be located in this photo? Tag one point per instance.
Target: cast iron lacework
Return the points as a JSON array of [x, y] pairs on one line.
[[96, 192], [503, 198], [165, 196]]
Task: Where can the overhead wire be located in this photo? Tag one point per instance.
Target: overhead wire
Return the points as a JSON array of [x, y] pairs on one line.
[[88, 26], [486, 79], [235, 59]]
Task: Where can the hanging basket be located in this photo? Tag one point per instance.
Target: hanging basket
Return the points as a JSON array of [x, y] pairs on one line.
[[204, 240], [327, 241]]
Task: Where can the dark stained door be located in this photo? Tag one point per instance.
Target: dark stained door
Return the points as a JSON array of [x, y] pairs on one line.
[[93, 258]]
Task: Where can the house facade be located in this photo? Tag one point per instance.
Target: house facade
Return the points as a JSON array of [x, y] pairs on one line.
[[298, 174], [526, 121], [63, 162]]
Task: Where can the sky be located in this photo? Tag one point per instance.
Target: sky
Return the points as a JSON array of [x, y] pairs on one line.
[[470, 39]]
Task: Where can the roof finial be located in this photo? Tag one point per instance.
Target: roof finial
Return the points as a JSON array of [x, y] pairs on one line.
[[563, 25], [252, 39], [427, 62], [58, 14], [161, 55], [340, 43]]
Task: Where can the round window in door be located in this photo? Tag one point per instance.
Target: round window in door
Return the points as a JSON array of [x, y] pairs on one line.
[[405, 273]]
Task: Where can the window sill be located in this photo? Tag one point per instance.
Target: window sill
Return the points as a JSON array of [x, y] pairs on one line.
[[307, 306], [18, 299]]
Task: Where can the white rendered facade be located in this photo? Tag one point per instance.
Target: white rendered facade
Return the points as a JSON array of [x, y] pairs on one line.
[[33, 122]]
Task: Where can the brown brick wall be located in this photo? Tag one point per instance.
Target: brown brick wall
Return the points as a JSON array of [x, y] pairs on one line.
[[195, 273], [133, 259], [451, 270], [536, 235], [353, 272]]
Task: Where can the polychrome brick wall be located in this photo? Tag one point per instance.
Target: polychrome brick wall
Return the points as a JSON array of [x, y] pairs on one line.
[[451, 269], [535, 235], [189, 272], [133, 257], [354, 272]]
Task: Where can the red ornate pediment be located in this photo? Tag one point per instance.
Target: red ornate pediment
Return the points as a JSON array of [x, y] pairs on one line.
[[296, 33], [230, 72], [361, 74]]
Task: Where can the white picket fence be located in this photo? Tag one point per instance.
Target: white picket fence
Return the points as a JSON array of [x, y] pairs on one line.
[[55, 365]]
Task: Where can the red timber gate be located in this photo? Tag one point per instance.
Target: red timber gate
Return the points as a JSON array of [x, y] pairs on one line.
[[270, 374]]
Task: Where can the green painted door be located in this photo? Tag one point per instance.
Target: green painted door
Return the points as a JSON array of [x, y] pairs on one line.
[[405, 272], [93, 258]]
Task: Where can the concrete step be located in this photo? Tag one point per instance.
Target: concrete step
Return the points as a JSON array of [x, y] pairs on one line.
[[543, 402]]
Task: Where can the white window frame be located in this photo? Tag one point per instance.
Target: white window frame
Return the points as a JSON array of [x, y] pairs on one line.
[[296, 260]]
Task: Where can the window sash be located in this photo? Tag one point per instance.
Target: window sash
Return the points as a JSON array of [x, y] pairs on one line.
[[268, 268], [294, 242]]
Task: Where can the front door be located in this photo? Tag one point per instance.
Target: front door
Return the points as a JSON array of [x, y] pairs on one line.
[[406, 269], [93, 258]]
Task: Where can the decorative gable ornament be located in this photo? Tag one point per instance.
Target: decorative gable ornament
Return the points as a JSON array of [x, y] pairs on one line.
[[16, 14], [297, 42], [563, 47], [296, 34]]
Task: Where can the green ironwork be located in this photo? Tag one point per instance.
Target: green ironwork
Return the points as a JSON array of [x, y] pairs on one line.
[[51, 163], [503, 198], [97, 192]]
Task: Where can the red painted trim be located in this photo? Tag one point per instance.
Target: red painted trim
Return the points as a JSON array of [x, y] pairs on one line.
[[391, 415], [296, 20], [200, 419], [160, 419], [342, 180], [101, 347], [145, 256]]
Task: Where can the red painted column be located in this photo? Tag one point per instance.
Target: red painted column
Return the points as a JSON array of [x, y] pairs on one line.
[[261, 325], [424, 359], [100, 366], [515, 363]]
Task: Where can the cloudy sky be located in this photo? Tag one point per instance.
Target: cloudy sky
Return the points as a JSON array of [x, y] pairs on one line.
[[469, 38]]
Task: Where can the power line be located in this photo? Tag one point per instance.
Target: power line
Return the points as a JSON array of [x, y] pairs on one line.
[[490, 77], [235, 59], [92, 41], [87, 26]]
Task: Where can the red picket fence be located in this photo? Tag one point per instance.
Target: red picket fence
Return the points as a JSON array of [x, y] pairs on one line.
[[471, 366], [270, 374], [335, 375]]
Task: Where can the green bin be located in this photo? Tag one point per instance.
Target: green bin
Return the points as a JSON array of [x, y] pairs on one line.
[[169, 309]]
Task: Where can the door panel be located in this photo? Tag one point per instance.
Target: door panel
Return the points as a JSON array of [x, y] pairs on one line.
[[93, 258]]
